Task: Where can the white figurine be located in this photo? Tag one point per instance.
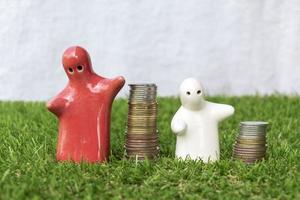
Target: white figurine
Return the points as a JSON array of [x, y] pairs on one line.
[[196, 123]]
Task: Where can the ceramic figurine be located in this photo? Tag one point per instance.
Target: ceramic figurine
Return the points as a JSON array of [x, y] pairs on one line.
[[196, 123], [83, 109]]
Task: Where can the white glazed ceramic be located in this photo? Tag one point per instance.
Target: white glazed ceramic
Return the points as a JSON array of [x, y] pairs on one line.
[[196, 123]]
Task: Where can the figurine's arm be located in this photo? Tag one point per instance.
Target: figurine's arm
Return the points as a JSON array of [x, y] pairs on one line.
[[57, 105], [222, 111], [114, 85], [178, 125], [118, 83]]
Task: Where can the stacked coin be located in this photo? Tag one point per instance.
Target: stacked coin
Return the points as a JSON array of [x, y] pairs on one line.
[[250, 145], [141, 134]]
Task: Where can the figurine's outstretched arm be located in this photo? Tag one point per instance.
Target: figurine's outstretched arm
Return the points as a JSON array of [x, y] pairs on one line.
[[178, 125], [222, 111], [118, 82], [57, 105], [114, 85]]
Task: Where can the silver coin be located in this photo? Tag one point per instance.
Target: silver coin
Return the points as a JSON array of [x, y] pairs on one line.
[[254, 123]]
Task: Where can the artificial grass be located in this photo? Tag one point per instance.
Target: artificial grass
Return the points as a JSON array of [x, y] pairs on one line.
[[28, 168]]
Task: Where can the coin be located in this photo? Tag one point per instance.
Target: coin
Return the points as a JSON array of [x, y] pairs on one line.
[[249, 146], [141, 157], [142, 152], [139, 152], [251, 137], [254, 123], [251, 142], [141, 141], [252, 148], [139, 136], [140, 133], [143, 121], [138, 144], [139, 130], [142, 149], [242, 151], [143, 106]]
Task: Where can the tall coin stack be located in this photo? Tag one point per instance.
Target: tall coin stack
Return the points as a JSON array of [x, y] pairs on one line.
[[141, 135], [250, 145]]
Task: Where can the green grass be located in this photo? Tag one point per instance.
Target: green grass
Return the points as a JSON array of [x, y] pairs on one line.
[[28, 168]]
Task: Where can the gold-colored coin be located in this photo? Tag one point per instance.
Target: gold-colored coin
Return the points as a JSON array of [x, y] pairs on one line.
[[237, 148], [251, 142], [143, 135]]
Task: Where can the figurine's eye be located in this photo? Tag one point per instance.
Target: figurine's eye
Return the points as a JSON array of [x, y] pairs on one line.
[[71, 71], [188, 93], [199, 92], [79, 68]]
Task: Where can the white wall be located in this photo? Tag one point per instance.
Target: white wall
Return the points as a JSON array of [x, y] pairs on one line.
[[233, 46]]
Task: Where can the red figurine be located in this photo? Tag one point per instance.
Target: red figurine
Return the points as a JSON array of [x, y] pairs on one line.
[[83, 109]]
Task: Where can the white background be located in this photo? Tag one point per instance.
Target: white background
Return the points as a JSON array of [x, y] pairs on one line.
[[233, 47]]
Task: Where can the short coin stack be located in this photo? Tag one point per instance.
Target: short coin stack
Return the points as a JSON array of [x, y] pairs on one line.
[[250, 145], [141, 134]]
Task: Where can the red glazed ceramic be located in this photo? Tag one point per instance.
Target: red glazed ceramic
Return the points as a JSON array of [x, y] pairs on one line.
[[83, 109]]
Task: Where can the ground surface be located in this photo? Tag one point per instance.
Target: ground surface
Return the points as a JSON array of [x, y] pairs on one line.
[[28, 168]]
